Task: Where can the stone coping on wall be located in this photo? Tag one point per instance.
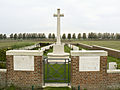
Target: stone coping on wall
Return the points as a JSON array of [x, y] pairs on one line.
[[89, 53], [106, 48], [25, 52], [3, 70], [113, 71]]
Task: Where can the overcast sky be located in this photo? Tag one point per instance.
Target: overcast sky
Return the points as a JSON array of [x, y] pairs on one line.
[[18, 16]]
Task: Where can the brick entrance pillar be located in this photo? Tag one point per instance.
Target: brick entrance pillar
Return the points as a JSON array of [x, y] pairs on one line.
[[89, 69], [24, 68]]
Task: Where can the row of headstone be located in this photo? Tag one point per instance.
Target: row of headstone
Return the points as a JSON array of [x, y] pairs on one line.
[[34, 46], [112, 65], [46, 47], [73, 47], [29, 47]]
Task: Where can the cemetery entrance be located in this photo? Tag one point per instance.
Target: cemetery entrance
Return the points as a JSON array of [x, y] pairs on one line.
[[57, 70]]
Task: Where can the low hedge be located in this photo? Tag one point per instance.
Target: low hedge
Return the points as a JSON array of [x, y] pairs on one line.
[[3, 57]]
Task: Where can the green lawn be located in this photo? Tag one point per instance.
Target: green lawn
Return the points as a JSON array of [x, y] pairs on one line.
[[112, 59], [16, 43], [47, 88], [109, 44], [67, 49], [7, 45], [48, 51]]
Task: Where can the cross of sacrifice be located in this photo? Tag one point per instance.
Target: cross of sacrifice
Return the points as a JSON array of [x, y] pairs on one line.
[[58, 15]]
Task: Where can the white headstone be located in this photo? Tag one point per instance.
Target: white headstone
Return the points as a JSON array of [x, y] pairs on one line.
[[43, 49], [75, 48], [69, 45], [89, 63], [112, 65], [24, 63]]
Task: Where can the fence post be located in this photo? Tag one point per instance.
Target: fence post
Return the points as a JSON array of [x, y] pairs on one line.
[[32, 87], [78, 87]]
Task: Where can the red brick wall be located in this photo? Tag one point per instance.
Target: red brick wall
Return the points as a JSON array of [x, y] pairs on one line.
[[25, 78], [112, 53], [2, 79], [113, 80], [93, 80]]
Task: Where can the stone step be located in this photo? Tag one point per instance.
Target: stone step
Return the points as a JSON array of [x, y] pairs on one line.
[[56, 85]]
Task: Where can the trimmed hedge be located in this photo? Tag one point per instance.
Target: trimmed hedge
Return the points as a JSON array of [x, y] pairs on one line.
[[3, 57]]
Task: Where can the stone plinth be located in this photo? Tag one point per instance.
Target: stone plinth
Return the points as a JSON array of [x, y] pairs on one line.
[[63, 55], [58, 49], [58, 52]]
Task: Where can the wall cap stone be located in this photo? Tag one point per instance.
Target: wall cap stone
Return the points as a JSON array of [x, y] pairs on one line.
[[113, 71], [25, 52], [106, 48], [3, 70], [89, 53]]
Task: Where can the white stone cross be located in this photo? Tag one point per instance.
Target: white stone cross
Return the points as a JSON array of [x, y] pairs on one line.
[[58, 15]]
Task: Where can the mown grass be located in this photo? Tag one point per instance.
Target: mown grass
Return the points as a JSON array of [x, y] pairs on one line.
[[109, 44], [8, 45], [48, 51], [12, 87], [67, 49], [19, 45], [112, 59], [16, 43], [14, 46]]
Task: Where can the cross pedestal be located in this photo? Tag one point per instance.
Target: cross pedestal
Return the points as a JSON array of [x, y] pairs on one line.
[[58, 48]]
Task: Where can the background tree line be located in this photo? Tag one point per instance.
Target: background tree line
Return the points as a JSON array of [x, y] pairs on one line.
[[69, 36]]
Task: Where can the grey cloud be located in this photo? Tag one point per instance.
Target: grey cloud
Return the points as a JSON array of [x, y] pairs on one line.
[[80, 16]]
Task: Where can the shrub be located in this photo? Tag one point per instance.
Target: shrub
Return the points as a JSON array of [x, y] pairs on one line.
[[3, 57]]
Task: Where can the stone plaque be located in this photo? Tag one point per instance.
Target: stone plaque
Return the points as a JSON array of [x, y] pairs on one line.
[[24, 63], [89, 63]]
